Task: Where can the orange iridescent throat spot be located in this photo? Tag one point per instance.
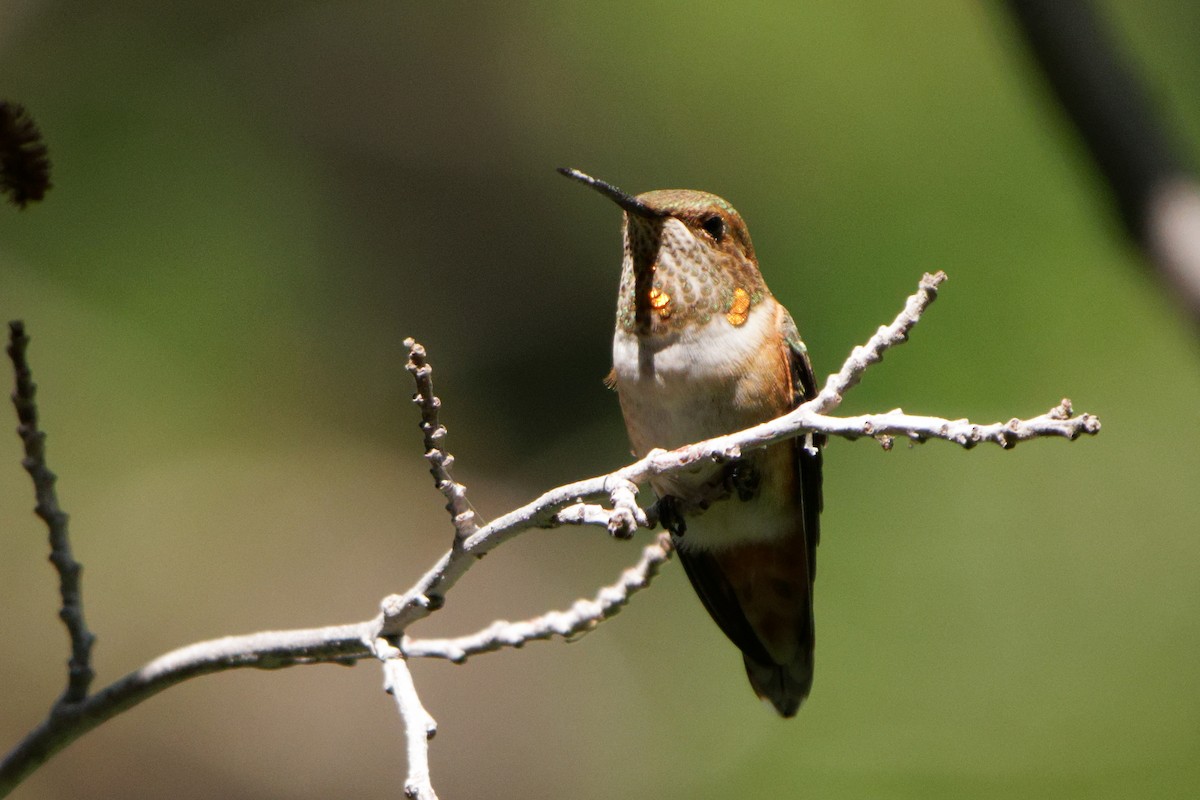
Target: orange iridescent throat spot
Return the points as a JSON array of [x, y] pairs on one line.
[[660, 301], [739, 311]]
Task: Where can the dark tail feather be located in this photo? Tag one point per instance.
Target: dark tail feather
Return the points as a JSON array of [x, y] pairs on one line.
[[785, 685]]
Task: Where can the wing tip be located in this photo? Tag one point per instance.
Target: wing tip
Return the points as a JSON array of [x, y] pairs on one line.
[[784, 686]]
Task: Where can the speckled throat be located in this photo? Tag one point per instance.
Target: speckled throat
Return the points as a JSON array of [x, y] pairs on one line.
[[676, 274]]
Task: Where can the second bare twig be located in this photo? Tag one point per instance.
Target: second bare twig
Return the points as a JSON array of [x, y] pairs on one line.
[[870, 353], [440, 461], [1058, 421], [581, 618], [80, 672]]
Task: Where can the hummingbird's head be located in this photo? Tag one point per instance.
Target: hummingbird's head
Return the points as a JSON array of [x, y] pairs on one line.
[[710, 221], [688, 258]]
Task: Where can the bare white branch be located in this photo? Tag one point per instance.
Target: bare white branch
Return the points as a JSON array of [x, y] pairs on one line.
[[870, 353], [581, 618], [547, 510], [564, 505], [337, 644], [583, 514], [419, 727], [1058, 421], [627, 515]]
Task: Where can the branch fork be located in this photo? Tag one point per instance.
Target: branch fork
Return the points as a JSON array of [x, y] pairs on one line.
[[386, 637]]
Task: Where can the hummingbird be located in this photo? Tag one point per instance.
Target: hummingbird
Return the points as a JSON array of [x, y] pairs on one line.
[[702, 348]]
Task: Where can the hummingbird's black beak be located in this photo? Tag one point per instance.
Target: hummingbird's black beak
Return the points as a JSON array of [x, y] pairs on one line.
[[625, 201]]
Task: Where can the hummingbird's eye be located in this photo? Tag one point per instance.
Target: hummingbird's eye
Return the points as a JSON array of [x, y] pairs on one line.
[[714, 226]]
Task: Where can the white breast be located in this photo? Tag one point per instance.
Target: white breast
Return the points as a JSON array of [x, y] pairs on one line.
[[693, 385], [681, 388]]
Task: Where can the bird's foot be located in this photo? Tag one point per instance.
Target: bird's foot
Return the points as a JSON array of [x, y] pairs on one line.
[[670, 514], [743, 479]]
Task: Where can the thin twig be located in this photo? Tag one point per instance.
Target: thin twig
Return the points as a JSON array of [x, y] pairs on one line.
[[338, 644], [1058, 421], [440, 460], [581, 618], [862, 357], [419, 727], [626, 515], [79, 672]]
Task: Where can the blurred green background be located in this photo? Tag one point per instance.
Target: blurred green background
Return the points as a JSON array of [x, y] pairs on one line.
[[255, 202]]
